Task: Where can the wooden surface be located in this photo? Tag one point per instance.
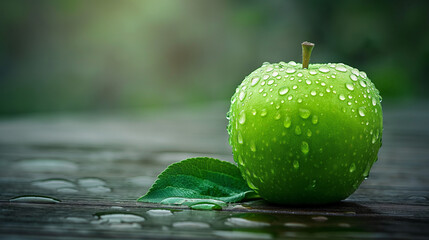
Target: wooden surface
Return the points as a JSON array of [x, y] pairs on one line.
[[98, 165]]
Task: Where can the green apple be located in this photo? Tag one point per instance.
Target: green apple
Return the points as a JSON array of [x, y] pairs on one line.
[[305, 134]]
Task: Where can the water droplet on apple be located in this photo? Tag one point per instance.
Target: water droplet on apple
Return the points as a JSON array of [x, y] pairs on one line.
[[353, 77], [255, 81], [313, 184], [365, 173], [308, 82], [269, 69], [315, 119], [355, 72], [362, 111], [362, 75], [242, 95], [374, 139], [270, 82], [304, 147], [290, 70], [299, 74], [341, 68], [294, 87], [277, 116], [242, 117], [295, 164], [253, 112], [349, 86], [352, 168], [362, 83], [312, 72], [342, 97], [313, 93], [240, 160], [275, 74], [283, 91], [298, 130], [324, 69], [240, 138], [309, 133], [287, 122], [374, 102], [252, 146], [263, 112], [304, 113], [292, 63]]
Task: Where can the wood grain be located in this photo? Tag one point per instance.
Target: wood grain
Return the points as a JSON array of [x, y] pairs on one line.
[[101, 164]]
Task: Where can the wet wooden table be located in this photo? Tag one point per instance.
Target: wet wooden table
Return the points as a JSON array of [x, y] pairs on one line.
[[92, 168]]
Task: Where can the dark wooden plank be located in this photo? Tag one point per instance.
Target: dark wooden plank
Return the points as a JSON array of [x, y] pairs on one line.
[[102, 164]]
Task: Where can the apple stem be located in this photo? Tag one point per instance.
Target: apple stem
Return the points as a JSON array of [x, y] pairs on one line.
[[307, 47]]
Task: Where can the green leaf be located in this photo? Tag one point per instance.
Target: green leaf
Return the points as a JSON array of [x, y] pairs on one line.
[[190, 181]]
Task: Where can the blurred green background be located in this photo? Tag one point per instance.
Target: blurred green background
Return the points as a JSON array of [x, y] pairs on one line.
[[105, 55]]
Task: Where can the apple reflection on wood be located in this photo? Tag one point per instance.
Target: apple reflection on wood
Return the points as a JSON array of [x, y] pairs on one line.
[[305, 133]]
